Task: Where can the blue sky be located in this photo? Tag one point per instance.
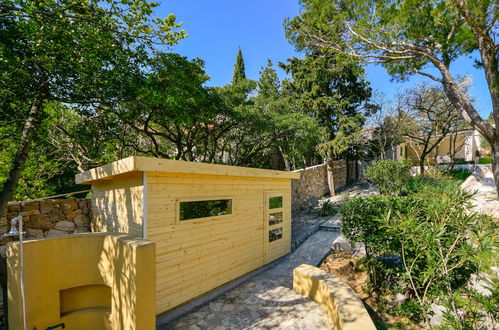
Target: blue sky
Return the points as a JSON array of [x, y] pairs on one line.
[[217, 28]]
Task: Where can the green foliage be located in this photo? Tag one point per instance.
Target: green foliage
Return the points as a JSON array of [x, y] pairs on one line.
[[239, 71], [440, 242], [485, 160], [390, 176], [333, 90], [327, 209]]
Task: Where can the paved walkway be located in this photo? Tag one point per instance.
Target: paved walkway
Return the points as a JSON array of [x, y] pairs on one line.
[[267, 301]]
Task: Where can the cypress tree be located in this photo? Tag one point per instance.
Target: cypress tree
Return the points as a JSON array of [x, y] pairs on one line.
[[239, 71]]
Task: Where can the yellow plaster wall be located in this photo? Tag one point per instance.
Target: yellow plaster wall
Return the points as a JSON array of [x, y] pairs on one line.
[[343, 306], [117, 204], [198, 255], [108, 282]]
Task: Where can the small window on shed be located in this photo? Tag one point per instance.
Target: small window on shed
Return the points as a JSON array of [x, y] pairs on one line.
[[275, 202], [275, 234], [205, 208]]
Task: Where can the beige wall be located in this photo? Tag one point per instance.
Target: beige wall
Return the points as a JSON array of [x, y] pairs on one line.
[[87, 281], [344, 307], [196, 256], [414, 150], [117, 204]]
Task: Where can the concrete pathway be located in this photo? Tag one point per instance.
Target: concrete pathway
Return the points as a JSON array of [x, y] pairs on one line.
[[267, 301]]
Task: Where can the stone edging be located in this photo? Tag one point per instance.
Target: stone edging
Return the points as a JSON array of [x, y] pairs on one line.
[[343, 306]]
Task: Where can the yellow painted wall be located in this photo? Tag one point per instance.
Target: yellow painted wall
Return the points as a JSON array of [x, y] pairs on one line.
[[344, 307], [414, 150], [87, 281], [117, 204], [196, 256]]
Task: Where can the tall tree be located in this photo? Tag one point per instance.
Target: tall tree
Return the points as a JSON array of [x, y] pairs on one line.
[[239, 70], [74, 52], [412, 37], [331, 89]]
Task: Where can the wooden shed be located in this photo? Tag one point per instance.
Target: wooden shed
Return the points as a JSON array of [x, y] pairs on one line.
[[211, 223]]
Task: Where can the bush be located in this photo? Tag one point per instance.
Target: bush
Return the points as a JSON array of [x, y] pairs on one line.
[[327, 209], [390, 176], [485, 160]]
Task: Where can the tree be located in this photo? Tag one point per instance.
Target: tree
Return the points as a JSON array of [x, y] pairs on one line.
[[173, 114], [433, 118], [332, 90], [73, 52], [411, 37], [239, 70]]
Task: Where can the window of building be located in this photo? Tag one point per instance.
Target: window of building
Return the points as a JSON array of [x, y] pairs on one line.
[[205, 208]]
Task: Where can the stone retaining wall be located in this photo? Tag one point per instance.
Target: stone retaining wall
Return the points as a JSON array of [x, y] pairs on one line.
[[50, 218], [313, 184]]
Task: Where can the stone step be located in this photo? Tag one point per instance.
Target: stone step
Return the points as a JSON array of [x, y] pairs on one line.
[[330, 227], [331, 224]]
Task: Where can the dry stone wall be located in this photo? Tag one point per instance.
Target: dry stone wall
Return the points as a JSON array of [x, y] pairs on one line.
[[50, 218], [313, 184]]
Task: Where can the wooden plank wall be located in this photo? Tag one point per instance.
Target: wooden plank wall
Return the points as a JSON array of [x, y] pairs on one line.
[[117, 205], [196, 256]]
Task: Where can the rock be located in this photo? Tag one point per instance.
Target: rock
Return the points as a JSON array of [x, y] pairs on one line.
[[81, 220], [46, 206], [67, 226], [73, 214], [438, 312], [82, 230], [34, 233], [481, 283], [69, 205], [57, 215], [400, 298], [40, 221], [56, 233], [14, 207], [30, 212], [29, 206]]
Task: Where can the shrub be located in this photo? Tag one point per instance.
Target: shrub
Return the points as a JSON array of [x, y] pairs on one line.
[[485, 160], [327, 209], [390, 176]]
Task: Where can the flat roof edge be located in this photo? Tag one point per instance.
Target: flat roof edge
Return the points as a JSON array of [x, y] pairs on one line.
[[147, 164]]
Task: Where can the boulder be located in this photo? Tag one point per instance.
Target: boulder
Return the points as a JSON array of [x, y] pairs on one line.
[[82, 230], [14, 207], [57, 215], [56, 233], [73, 214], [40, 221], [29, 206], [67, 226], [34, 233], [46, 206], [69, 205], [81, 220]]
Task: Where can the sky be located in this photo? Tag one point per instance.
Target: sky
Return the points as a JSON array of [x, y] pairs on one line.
[[217, 28]]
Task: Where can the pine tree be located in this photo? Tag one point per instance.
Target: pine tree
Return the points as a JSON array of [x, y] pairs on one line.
[[239, 71]]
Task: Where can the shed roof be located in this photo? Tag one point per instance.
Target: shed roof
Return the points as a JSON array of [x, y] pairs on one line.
[[147, 164]]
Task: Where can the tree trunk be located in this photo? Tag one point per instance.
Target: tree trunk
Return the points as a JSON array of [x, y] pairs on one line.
[[30, 128], [421, 165], [330, 177]]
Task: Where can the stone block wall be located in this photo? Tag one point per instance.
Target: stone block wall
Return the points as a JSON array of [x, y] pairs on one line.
[[313, 184], [50, 218], [311, 187]]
